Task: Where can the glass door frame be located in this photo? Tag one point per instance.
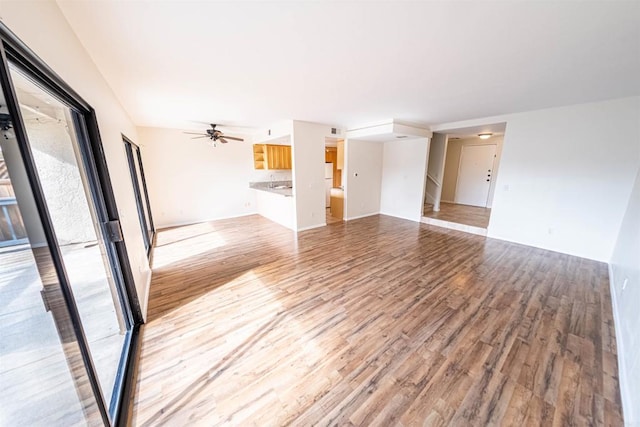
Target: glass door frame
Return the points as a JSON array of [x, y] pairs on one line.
[[134, 155], [90, 145]]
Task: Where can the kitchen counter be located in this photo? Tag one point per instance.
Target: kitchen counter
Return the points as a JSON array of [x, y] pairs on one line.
[[337, 203], [276, 204], [283, 188]]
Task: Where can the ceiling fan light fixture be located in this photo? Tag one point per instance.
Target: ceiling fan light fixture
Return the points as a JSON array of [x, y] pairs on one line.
[[485, 135], [214, 135]]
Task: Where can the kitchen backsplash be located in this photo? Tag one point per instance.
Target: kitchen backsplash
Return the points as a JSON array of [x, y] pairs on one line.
[[265, 175]]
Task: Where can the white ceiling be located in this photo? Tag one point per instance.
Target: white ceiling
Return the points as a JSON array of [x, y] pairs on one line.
[[348, 63]]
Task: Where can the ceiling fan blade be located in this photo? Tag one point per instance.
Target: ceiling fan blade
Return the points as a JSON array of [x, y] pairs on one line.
[[201, 136], [234, 138], [221, 139], [193, 133]]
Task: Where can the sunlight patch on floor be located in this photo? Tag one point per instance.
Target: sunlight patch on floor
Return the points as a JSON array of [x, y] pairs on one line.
[[185, 248]]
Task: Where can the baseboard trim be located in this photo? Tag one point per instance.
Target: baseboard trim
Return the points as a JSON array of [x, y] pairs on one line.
[[361, 216], [625, 395], [311, 227], [401, 217], [199, 221], [493, 235]]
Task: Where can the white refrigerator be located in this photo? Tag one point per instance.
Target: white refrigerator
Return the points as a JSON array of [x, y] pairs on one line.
[[328, 182]]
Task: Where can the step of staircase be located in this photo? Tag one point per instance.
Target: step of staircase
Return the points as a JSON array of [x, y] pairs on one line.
[[428, 208]]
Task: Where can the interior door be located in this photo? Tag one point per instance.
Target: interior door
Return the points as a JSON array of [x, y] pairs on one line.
[[475, 174]]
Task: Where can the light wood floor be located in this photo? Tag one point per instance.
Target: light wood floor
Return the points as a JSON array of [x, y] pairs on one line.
[[330, 218], [462, 214], [377, 321]]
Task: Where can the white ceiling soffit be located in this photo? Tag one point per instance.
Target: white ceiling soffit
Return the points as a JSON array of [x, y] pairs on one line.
[[390, 131], [348, 63]]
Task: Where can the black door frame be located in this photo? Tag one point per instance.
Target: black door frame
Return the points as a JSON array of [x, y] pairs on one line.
[[14, 50], [148, 233]]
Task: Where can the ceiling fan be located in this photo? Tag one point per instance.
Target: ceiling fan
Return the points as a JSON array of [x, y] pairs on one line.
[[214, 135]]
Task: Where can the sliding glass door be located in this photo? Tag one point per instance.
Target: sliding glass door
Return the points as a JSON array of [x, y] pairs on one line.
[[40, 357], [140, 191], [68, 307]]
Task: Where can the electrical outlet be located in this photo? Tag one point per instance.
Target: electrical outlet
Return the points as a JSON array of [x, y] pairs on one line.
[[550, 230]]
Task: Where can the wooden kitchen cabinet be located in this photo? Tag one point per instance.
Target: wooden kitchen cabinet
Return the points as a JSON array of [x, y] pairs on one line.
[[259, 156], [272, 157], [337, 203]]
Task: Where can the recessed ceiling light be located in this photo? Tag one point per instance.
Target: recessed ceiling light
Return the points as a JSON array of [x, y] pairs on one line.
[[485, 135]]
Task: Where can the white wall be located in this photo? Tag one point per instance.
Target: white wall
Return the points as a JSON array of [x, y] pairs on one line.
[[436, 155], [625, 267], [569, 173], [363, 172], [565, 175], [35, 23], [191, 181], [435, 168], [60, 179], [261, 175], [275, 131], [308, 173], [403, 171]]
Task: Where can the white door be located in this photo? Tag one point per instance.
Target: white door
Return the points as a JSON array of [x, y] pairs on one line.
[[475, 174]]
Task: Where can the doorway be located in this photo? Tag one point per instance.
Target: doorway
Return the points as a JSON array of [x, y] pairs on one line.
[[69, 310], [462, 170], [334, 191]]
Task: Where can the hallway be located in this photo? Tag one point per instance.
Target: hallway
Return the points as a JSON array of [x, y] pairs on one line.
[[462, 214]]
